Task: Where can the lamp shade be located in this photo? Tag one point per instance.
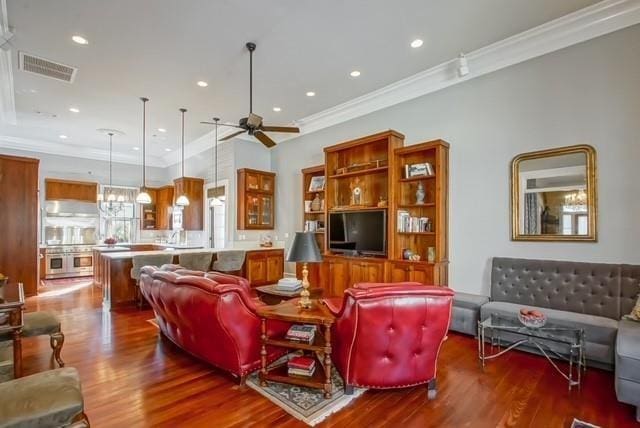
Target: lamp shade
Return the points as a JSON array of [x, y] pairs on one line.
[[304, 248], [182, 201], [143, 197]]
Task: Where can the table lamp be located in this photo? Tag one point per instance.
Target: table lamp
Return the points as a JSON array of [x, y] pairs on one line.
[[304, 250]]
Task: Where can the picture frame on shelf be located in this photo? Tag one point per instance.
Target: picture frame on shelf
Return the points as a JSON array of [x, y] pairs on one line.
[[424, 169], [317, 183]]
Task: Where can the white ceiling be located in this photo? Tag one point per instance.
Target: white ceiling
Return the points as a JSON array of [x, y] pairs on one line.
[[160, 48]]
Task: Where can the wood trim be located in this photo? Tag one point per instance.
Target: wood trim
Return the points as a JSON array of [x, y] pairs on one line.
[[364, 140]]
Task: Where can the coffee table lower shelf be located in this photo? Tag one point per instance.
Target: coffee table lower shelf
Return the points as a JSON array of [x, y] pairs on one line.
[[280, 374]]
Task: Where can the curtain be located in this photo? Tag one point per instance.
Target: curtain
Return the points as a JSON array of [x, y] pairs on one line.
[[531, 217]]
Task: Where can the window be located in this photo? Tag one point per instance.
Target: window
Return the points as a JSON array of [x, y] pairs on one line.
[[118, 221]]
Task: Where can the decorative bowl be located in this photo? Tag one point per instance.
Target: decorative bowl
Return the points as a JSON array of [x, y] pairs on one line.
[[532, 318]]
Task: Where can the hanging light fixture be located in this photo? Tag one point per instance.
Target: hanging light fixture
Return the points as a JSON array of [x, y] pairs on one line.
[[107, 194], [576, 201], [110, 197], [143, 197], [216, 202], [182, 200]]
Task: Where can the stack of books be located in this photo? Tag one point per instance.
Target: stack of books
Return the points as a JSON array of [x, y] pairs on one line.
[[301, 333], [407, 223], [289, 284], [301, 366]]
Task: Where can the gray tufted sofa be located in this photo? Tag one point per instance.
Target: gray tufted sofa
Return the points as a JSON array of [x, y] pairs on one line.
[[591, 296]]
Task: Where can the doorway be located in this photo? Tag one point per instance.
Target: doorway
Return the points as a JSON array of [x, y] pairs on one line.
[[217, 229]]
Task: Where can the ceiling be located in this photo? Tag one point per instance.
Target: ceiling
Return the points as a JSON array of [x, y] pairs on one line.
[[161, 48]]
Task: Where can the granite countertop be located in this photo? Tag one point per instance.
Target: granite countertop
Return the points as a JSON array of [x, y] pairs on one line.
[[175, 251]]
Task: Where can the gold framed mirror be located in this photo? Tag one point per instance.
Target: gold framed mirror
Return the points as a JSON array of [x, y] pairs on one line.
[[553, 195]]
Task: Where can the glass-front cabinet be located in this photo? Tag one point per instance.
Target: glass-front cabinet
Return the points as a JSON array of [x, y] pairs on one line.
[[256, 193]]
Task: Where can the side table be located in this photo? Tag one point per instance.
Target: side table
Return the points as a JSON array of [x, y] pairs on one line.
[[11, 307], [289, 311]]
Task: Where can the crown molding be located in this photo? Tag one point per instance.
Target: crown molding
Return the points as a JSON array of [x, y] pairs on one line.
[[7, 95], [594, 21], [77, 151]]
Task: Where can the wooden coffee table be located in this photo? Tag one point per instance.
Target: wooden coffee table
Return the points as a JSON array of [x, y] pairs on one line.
[[320, 349], [270, 295], [11, 306]]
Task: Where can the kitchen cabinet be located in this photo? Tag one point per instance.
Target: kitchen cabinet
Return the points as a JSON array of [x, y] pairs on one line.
[[192, 214], [400, 271], [19, 221], [164, 208], [264, 267], [61, 190], [256, 199]]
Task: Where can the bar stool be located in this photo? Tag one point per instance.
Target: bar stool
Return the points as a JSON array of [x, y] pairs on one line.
[[229, 261], [146, 260], [200, 261]]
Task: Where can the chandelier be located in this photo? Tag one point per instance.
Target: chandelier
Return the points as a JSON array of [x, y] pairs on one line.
[[576, 200], [113, 203]]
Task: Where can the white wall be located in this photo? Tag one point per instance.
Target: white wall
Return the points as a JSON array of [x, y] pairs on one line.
[[588, 93]]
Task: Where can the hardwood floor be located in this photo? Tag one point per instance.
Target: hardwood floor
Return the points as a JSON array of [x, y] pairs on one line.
[[131, 377]]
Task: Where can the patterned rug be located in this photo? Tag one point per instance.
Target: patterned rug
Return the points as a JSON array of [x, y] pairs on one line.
[[577, 423], [305, 404]]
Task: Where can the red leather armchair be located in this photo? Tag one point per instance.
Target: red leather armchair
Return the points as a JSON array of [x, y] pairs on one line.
[[389, 335], [212, 316]]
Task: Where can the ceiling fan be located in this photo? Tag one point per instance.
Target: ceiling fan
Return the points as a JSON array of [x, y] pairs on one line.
[[252, 124]]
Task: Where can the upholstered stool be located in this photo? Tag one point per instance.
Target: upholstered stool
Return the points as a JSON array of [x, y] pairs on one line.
[[466, 312], [146, 260], [43, 323], [229, 261], [47, 399], [200, 261]]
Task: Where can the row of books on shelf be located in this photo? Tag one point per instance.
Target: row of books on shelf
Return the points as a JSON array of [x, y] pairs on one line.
[[301, 366], [302, 333], [407, 223]]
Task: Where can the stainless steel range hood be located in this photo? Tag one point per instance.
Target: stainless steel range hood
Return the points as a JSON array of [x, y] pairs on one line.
[[71, 209]]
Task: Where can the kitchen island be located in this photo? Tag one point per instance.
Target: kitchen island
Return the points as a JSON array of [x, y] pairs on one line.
[[112, 269]]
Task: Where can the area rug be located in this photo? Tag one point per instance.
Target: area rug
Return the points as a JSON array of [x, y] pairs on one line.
[[153, 322], [306, 404]]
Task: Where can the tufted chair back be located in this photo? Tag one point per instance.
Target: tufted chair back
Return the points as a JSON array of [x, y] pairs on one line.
[[213, 320], [606, 290], [389, 335]]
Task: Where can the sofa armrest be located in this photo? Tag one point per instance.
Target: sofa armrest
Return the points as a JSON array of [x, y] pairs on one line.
[[334, 304]]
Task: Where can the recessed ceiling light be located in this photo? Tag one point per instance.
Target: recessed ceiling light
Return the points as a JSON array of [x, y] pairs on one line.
[[277, 109], [63, 137], [162, 130], [74, 110], [167, 149], [136, 148], [202, 83], [311, 94], [416, 43], [354, 73], [80, 40]]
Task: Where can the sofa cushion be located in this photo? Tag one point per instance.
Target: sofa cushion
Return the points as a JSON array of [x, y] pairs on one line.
[[600, 332], [470, 301], [48, 399], [628, 351]]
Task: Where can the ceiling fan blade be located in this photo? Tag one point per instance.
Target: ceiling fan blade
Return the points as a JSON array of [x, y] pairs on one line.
[[228, 137], [222, 124], [264, 139], [280, 129]]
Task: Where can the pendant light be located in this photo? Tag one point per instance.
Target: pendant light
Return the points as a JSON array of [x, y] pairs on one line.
[[110, 197], [216, 202], [143, 197], [182, 200]]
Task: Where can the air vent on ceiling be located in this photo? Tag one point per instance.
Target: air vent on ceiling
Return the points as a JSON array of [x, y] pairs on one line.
[[46, 68]]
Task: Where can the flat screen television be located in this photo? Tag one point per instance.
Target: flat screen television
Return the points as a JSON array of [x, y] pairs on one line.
[[358, 232]]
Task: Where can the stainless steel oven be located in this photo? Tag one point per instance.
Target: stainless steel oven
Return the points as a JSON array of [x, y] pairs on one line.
[[56, 265], [80, 263]]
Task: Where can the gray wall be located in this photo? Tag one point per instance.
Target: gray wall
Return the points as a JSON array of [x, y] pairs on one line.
[[588, 93]]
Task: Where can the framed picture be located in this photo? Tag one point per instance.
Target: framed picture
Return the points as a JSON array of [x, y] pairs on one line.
[[316, 184], [418, 170]]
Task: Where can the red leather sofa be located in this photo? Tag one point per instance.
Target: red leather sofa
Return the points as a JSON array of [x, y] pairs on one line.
[[212, 316], [389, 335]]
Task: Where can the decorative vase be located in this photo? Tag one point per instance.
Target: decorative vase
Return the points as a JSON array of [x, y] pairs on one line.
[[316, 205], [431, 254], [407, 253], [420, 193]]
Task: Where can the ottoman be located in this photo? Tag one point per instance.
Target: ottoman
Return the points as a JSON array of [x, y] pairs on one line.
[[466, 312]]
